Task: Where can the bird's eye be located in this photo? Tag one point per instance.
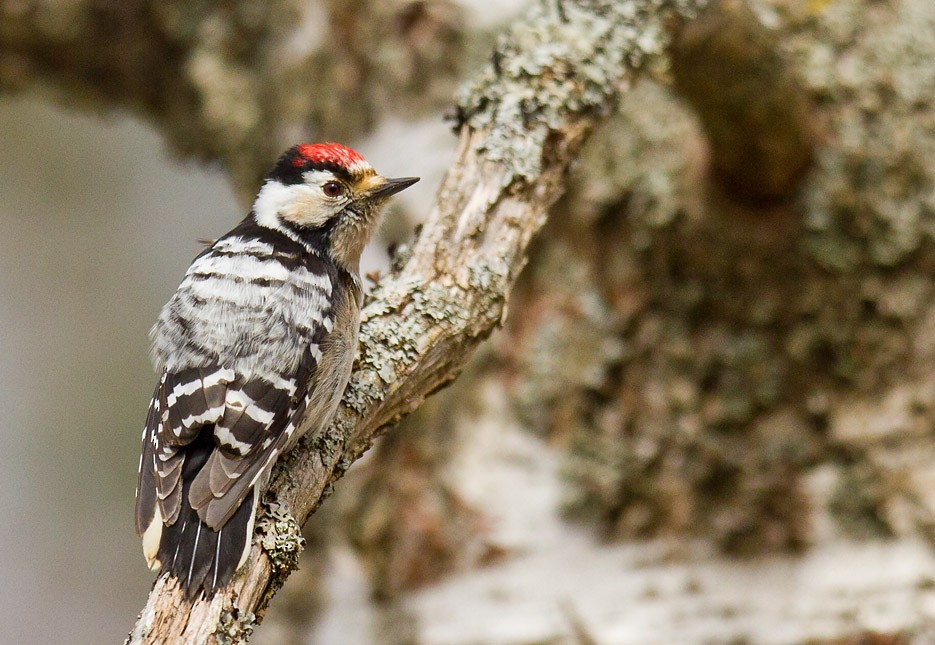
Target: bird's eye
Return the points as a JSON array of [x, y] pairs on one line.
[[332, 189]]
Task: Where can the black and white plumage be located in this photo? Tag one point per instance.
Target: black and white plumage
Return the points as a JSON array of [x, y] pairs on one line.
[[254, 349]]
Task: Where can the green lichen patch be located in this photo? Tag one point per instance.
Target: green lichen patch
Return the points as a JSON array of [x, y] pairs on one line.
[[427, 313]]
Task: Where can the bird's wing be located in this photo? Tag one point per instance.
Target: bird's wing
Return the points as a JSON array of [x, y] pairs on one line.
[[181, 405], [259, 420]]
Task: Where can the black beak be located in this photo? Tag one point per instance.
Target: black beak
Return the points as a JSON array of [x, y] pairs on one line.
[[392, 186]]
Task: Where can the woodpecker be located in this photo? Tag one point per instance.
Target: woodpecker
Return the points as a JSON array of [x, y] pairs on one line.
[[254, 349]]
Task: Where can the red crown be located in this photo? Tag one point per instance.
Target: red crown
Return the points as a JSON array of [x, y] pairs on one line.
[[328, 153]]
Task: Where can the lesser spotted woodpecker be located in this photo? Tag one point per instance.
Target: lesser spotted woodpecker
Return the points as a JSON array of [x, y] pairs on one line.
[[254, 348]]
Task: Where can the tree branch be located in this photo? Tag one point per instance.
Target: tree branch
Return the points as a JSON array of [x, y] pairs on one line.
[[522, 122]]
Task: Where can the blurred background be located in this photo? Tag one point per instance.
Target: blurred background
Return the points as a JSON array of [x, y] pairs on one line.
[[98, 222], [709, 418]]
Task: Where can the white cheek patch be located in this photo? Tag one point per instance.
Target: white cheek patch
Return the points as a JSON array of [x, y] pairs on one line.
[[301, 204], [273, 198]]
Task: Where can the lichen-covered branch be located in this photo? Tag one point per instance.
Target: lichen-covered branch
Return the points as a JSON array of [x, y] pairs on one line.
[[522, 122]]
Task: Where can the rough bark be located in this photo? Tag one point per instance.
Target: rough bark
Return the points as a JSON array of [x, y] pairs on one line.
[[759, 378], [522, 122]]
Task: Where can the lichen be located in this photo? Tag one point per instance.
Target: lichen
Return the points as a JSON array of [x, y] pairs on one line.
[[425, 311], [722, 346], [565, 59], [280, 536], [233, 627], [871, 199]]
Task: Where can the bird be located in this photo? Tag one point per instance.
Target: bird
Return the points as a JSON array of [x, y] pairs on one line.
[[253, 350]]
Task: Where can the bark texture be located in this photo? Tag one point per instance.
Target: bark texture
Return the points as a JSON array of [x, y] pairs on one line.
[[424, 322], [757, 376]]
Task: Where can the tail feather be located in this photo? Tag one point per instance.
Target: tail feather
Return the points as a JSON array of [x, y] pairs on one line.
[[146, 484], [200, 557]]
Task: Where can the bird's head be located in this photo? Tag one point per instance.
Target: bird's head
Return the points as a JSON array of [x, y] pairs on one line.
[[326, 189]]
